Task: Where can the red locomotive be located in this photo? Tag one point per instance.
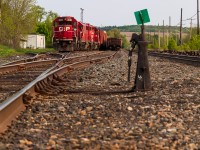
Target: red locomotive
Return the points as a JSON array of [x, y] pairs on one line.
[[70, 34]]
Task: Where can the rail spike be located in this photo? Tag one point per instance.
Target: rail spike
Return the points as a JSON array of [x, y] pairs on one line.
[[27, 98]]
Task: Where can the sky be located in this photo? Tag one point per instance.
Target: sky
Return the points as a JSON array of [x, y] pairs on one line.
[[121, 12]]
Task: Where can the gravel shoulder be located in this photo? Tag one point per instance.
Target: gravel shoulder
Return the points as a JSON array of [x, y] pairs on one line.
[[95, 111]]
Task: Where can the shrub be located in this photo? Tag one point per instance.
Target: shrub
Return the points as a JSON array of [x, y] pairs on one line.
[[172, 44]]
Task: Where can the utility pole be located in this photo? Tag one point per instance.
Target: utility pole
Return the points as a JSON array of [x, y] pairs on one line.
[[180, 41], [167, 38], [158, 36], [163, 33], [0, 9], [191, 24], [169, 25], [198, 17], [82, 14]]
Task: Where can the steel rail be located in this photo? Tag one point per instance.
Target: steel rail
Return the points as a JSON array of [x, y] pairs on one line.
[[22, 60], [11, 107], [11, 68], [186, 58], [35, 58], [18, 65]]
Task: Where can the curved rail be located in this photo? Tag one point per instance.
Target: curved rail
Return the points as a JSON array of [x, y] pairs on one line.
[[37, 57], [15, 104], [16, 67]]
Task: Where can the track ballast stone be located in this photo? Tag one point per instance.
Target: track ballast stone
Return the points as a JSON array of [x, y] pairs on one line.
[[94, 110]]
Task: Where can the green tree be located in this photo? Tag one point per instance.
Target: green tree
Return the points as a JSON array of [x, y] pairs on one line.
[[125, 42], [17, 19], [116, 34], [45, 27], [194, 43], [172, 44], [40, 13]]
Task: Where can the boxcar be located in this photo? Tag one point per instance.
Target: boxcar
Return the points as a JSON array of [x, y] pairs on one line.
[[114, 43]]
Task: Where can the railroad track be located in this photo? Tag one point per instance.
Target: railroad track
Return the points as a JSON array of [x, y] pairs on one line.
[[193, 60], [20, 82], [37, 57]]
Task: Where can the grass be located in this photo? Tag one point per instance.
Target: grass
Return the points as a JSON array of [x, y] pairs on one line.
[[7, 51]]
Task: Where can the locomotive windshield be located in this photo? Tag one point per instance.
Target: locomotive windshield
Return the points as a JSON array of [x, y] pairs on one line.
[[65, 23]]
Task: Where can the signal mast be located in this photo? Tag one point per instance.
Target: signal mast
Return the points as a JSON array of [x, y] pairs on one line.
[[82, 14]]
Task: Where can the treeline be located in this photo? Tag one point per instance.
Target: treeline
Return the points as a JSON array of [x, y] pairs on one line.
[[163, 38], [148, 28], [18, 18]]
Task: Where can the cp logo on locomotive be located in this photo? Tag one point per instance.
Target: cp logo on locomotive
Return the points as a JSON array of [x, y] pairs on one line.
[[60, 28], [64, 29]]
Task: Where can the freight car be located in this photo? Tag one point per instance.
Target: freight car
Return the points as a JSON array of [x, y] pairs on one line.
[[114, 43], [70, 34]]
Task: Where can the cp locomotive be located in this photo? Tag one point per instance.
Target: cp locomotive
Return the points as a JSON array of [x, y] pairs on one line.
[[70, 34]]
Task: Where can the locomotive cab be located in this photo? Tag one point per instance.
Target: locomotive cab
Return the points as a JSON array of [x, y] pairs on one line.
[[65, 33]]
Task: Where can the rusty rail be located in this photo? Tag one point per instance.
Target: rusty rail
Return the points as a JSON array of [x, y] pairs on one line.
[[15, 104], [11, 68], [180, 58], [35, 58]]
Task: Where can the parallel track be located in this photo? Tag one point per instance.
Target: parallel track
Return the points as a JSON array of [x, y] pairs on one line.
[[193, 60]]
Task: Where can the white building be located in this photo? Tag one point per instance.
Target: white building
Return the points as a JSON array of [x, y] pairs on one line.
[[36, 41], [23, 43]]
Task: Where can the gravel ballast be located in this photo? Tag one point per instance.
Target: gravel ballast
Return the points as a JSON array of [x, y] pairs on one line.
[[94, 110]]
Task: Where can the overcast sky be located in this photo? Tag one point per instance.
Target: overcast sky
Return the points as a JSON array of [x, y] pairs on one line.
[[121, 12]]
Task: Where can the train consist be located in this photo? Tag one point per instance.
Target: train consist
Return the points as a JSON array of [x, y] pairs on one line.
[[70, 34]]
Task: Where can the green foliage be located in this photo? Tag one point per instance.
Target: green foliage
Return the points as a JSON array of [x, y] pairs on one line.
[[42, 29], [172, 44], [125, 43], [17, 19], [137, 28], [39, 13], [21, 17], [193, 44], [116, 34], [6, 51], [45, 27]]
